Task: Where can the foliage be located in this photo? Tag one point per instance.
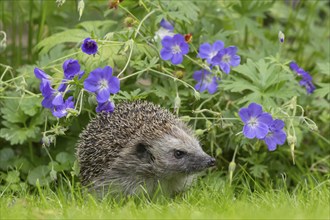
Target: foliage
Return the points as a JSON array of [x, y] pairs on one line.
[[37, 149]]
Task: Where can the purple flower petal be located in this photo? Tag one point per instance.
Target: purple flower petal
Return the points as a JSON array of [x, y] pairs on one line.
[[255, 109], [114, 85], [58, 99], [277, 125], [41, 74], [204, 50], [244, 114], [184, 48], [294, 66], [235, 60], [198, 75], [71, 68], [261, 130], [45, 88], [62, 87], [102, 95], [89, 46], [166, 54], [270, 143], [225, 67], [167, 25], [213, 86], [167, 42], [47, 102], [265, 118], [249, 132], [177, 59], [107, 106], [218, 45]]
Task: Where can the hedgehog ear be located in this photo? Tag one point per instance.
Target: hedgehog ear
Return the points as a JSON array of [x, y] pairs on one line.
[[143, 153]]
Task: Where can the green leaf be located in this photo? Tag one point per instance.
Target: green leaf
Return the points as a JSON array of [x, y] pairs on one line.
[[71, 35], [64, 157], [13, 176], [258, 170], [12, 112], [18, 135], [324, 68], [40, 173], [7, 156], [31, 106], [261, 82]]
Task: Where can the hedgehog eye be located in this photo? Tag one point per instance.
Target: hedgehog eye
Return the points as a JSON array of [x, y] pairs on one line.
[[178, 154]]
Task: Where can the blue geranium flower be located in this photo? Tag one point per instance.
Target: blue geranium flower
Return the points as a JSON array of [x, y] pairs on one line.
[[107, 106], [208, 51], [276, 135], [89, 46], [255, 121], [71, 68], [205, 81], [174, 48], [102, 83], [225, 58], [306, 77]]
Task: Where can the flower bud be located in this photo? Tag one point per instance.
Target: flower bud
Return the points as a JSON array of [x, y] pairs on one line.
[[231, 169], [185, 118], [199, 132], [291, 139], [53, 175], [188, 38], [114, 4], [3, 42], [232, 166], [81, 7], [179, 74], [177, 102], [129, 22], [46, 141], [281, 37], [60, 2]]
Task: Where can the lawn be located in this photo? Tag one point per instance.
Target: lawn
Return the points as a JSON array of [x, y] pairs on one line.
[[210, 198]]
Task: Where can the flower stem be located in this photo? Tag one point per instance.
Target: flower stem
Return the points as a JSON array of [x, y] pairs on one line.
[[141, 22], [174, 78], [129, 57]]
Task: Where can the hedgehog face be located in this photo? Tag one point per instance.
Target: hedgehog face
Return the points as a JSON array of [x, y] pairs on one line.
[[178, 152]]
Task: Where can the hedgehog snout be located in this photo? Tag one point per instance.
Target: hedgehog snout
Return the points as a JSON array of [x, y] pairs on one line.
[[211, 162]]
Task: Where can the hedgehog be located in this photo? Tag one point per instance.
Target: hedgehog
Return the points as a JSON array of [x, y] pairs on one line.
[[139, 148]]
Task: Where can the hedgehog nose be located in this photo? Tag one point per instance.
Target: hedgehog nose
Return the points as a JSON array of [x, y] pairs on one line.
[[211, 162]]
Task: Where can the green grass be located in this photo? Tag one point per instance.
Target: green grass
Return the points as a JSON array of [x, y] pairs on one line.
[[210, 198]]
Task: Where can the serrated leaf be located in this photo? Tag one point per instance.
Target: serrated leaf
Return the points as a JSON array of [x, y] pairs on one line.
[[324, 91], [12, 112], [16, 134], [71, 35], [324, 68], [258, 170], [31, 106]]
